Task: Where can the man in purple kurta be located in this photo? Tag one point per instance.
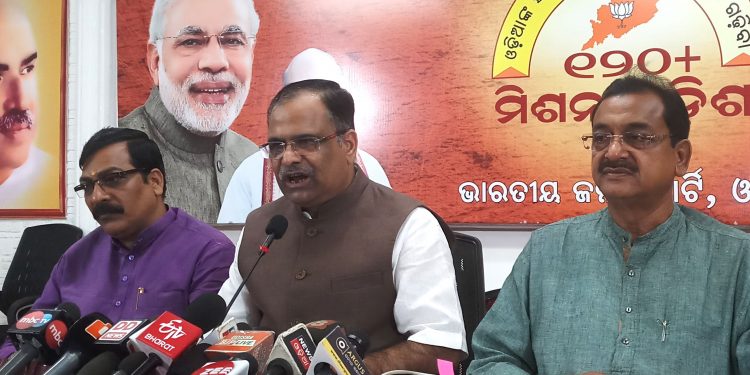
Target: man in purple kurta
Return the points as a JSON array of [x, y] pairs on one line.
[[145, 257]]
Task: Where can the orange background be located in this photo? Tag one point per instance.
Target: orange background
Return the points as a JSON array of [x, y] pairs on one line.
[[421, 77]]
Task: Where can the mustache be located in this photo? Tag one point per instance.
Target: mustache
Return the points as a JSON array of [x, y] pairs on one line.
[[620, 163], [15, 116], [211, 77], [106, 208], [285, 171]]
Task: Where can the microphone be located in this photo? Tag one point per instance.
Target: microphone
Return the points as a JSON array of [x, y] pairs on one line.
[[78, 347], [295, 347], [256, 344], [104, 363], [336, 355], [39, 333], [116, 338], [130, 363], [237, 367], [274, 230], [191, 360], [169, 336]]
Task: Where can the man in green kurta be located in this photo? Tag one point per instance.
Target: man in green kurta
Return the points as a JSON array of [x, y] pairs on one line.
[[644, 286]]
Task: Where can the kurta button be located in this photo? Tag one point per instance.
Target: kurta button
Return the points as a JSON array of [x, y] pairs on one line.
[[131, 257], [626, 341], [311, 232], [301, 275], [118, 303], [628, 310], [631, 273], [220, 166]]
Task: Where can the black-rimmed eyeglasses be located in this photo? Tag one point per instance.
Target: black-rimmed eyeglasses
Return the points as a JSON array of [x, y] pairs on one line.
[[111, 180]]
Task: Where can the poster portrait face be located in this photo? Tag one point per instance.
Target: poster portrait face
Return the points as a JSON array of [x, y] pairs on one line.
[[32, 78], [200, 56], [18, 89]]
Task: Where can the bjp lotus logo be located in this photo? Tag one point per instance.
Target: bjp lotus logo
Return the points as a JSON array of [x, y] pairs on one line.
[[621, 11]]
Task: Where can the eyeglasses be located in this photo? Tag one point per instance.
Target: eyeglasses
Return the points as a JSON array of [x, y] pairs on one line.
[[636, 140], [189, 44], [112, 180], [302, 145]]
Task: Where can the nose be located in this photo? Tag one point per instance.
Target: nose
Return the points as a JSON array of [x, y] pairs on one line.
[[213, 59], [289, 156], [98, 193], [616, 148], [16, 96]]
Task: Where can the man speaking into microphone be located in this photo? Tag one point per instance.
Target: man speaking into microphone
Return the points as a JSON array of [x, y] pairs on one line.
[[354, 251], [145, 257]]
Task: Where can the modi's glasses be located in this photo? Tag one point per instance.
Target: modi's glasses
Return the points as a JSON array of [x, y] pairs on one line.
[[191, 43], [111, 180], [302, 145], [636, 140]]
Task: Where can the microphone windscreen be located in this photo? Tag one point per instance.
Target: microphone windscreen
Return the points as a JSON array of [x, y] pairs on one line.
[[360, 341], [132, 362], [71, 310], [206, 311], [191, 360], [277, 226], [250, 360], [104, 363], [242, 326]]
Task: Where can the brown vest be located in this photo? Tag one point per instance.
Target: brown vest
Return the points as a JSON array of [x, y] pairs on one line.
[[335, 266]]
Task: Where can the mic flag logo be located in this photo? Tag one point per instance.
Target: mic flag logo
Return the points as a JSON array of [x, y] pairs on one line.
[[172, 331]]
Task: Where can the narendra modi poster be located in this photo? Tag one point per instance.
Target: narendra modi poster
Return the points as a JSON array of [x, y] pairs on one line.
[[478, 108]]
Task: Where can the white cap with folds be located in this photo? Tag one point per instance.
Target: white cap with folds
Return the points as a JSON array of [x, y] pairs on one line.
[[313, 63]]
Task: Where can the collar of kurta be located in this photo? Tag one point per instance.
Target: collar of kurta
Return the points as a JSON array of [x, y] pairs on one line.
[[649, 242], [176, 134], [149, 235]]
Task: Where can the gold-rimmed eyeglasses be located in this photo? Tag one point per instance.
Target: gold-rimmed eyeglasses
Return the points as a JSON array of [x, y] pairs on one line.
[[301, 145], [636, 140]]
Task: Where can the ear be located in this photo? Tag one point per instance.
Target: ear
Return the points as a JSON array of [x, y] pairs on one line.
[[155, 179], [349, 143], [152, 61], [683, 151]]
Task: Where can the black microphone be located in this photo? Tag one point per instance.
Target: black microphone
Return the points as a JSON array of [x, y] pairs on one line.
[[130, 363], [116, 339], [104, 363], [274, 230], [164, 347], [39, 333], [191, 360], [79, 346]]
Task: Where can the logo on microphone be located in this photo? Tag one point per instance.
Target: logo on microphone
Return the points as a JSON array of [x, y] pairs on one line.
[[55, 333], [34, 319], [172, 331]]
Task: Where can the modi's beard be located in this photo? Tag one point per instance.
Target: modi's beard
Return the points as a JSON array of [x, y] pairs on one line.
[[215, 118]]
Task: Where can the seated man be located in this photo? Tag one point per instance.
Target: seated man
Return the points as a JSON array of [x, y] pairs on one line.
[[355, 251], [644, 286], [145, 257]]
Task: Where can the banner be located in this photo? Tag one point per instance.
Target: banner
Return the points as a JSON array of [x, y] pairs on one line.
[[478, 108], [32, 103]]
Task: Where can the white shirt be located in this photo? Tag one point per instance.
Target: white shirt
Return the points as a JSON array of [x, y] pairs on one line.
[[245, 190], [14, 192], [427, 308]]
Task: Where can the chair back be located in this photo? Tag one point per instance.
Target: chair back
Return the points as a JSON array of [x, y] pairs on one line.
[[38, 251], [469, 266]]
